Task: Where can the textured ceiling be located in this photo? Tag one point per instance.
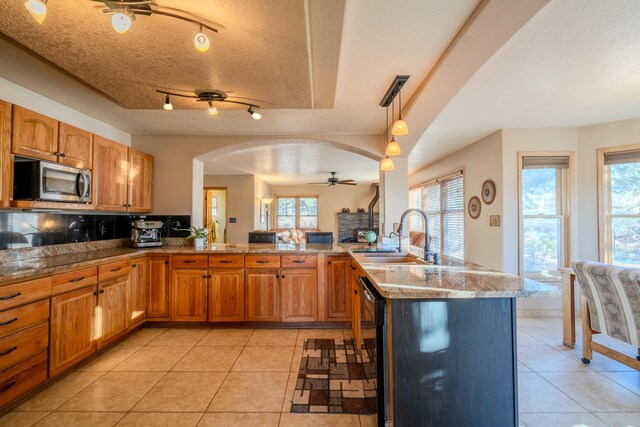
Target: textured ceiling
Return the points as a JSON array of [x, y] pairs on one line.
[[260, 52], [575, 63], [296, 163]]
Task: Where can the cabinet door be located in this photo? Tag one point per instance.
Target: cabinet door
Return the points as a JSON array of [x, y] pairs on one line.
[[226, 295], [6, 167], [140, 181], [112, 312], [34, 135], [138, 291], [75, 147], [338, 288], [299, 295], [159, 288], [355, 312], [110, 168], [261, 295], [189, 295], [72, 328]]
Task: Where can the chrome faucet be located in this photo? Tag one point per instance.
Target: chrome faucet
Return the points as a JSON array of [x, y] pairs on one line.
[[428, 255]]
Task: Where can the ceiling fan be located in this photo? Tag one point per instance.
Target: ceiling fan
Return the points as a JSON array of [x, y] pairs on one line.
[[335, 181]]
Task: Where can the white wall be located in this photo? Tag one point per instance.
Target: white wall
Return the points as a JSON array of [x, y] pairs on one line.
[[394, 194], [331, 200], [261, 190], [240, 200], [481, 160]]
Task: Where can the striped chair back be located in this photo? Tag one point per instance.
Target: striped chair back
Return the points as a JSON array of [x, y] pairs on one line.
[[613, 296]]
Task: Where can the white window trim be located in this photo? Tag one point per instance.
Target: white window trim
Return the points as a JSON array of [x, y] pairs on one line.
[[297, 214]]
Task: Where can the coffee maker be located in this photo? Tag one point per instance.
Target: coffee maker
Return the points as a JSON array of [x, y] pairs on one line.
[[145, 234]]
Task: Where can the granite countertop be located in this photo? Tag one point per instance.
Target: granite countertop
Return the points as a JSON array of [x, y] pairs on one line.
[[12, 271], [450, 279]]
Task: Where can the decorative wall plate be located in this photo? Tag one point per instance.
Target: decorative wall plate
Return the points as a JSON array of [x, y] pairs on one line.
[[488, 191], [474, 207]]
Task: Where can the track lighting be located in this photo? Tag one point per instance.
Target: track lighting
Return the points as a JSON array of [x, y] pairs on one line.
[[393, 148], [121, 22], [201, 41], [387, 164], [168, 106], [213, 111], [254, 114], [400, 127], [37, 9]]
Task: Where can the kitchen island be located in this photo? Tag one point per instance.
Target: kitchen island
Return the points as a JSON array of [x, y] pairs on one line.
[[446, 340]]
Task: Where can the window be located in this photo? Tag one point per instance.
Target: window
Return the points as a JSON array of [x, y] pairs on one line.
[[443, 201], [543, 219], [620, 205], [214, 206], [297, 212]]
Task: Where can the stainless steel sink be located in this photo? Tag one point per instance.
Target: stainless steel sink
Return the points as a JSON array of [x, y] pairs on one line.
[[377, 259]]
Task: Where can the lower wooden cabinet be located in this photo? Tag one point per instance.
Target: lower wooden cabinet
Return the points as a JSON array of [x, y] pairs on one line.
[[159, 290], [226, 295], [137, 301], [23, 377], [298, 295], [113, 314], [189, 295], [72, 328], [339, 288], [356, 310], [261, 295]]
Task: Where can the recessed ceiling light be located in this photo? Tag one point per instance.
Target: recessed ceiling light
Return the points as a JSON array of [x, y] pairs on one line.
[[121, 22]]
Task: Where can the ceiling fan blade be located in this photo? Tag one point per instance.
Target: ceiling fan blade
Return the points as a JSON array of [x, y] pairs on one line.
[[346, 180], [316, 183], [347, 183]]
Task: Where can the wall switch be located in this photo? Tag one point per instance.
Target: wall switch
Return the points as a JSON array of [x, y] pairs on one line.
[[494, 220], [232, 220]]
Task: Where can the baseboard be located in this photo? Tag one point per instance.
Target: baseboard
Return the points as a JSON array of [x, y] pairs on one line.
[[539, 313]]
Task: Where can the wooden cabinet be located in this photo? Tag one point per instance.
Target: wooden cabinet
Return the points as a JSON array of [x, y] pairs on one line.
[[75, 147], [338, 288], [356, 312], [299, 295], [112, 310], [189, 295], [72, 328], [140, 181], [18, 380], [261, 295], [34, 135], [138, 284], [110, 171], [158, 291], [226, 295], [6, 168]]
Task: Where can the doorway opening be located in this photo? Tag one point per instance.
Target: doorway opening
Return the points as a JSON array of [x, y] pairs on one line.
[[215, 213]]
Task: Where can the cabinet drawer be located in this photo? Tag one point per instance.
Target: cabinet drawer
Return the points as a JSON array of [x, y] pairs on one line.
[[74, 280], [23, 377], [189, 261], [25, 292], [21, 317], [262, 261], [114, 269], [23, 344], [294, 261], [226, 261]]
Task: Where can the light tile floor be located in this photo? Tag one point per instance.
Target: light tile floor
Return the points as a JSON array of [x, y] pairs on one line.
[[244, 377]]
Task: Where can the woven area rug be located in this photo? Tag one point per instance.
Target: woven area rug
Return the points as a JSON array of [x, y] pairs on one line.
[[335, 378]]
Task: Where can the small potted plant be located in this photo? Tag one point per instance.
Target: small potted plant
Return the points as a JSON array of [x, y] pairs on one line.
[[198, 235]]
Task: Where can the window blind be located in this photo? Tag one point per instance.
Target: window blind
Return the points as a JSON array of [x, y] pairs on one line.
[[538, 162], [621, 157]]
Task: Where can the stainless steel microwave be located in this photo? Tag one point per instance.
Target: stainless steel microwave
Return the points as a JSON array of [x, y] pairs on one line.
[[40, 180]]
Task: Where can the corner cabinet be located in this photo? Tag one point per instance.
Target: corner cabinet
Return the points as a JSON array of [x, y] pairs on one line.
[[110, 175], [140, 181], [6, 169], [34, 135]]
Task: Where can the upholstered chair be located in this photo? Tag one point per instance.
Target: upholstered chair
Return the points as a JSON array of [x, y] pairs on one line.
[[610, 306]]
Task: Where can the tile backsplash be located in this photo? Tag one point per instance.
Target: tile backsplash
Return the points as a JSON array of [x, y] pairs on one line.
[[36, 229]]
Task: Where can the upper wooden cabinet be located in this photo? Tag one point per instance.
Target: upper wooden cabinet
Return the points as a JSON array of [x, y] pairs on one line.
[[34, 135], [110, 170], [6, 171], [338, 288], [140, 181], [75, 147]]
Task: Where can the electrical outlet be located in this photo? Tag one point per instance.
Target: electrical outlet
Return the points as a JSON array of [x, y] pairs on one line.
[[494, 220]]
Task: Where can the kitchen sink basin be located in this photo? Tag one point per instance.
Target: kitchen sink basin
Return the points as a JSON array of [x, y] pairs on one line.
[[393, 260]]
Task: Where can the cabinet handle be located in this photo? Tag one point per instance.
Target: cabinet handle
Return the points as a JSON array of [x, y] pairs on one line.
[[11, 350], [113, 270], [17, 294], [300, 261], [189, 261], [329, 263], [225, 261], [166, 263], [77, 279], [209, 276], [63, 155], [8, 322], [282, 276], [95, 293], [134, 265], [101, 291], [55, 153], [277, 276], [355, 292], [205, 276], [7, 387], [262, 261]]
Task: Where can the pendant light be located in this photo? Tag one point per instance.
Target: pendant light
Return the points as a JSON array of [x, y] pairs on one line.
[[393, 148], [37, 9], [400, 126], [387, 164], [201, 41], [168, 106]]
